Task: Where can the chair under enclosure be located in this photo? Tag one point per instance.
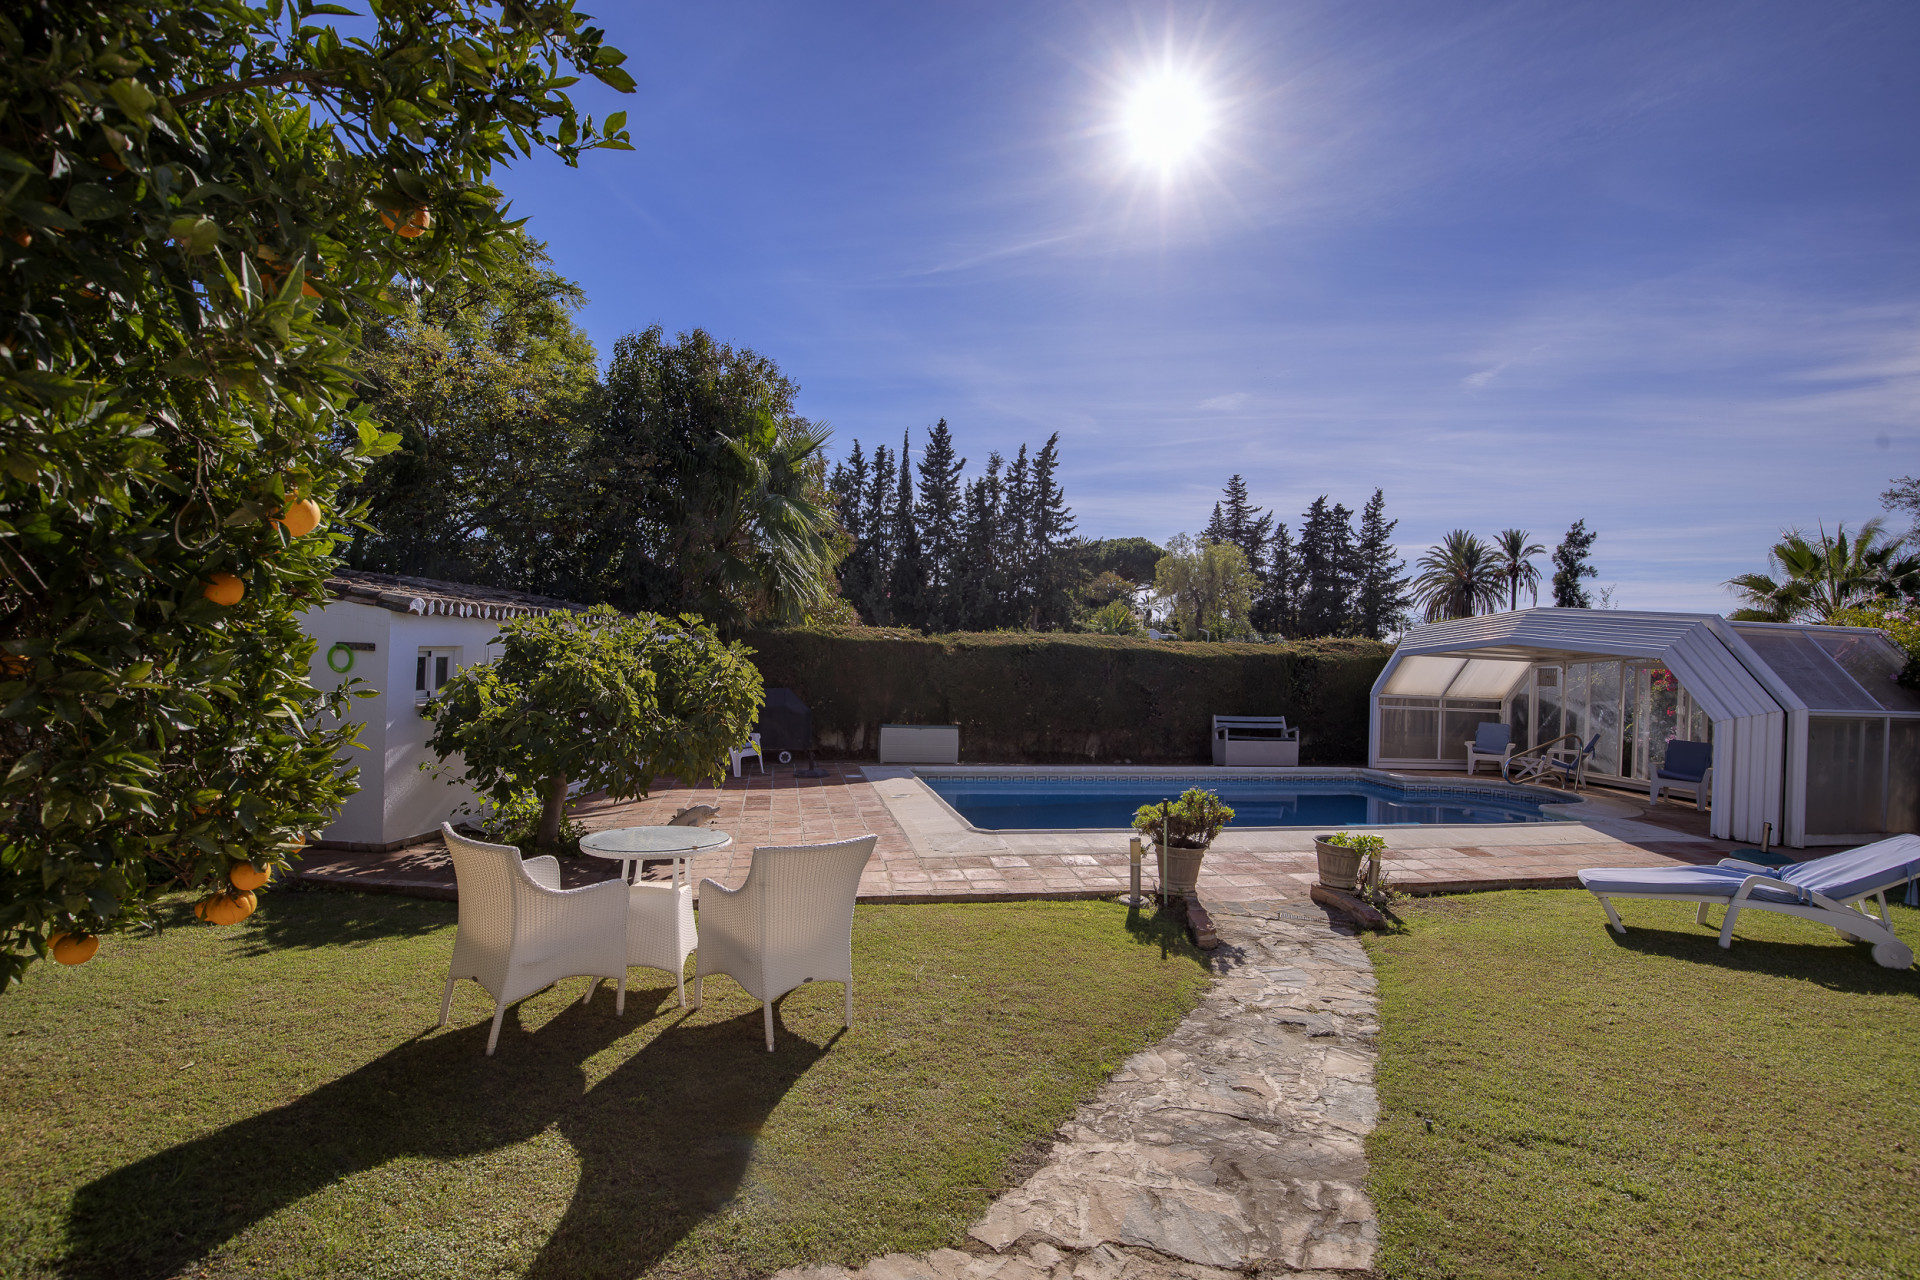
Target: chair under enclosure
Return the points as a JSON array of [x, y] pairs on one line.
[[520, 932], [790, 923], [1786, 734]]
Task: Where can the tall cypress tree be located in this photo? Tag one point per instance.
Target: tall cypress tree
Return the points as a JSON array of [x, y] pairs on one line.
[[1326, 567], [848, 484], [1242, 523], [1570, 566], [1050, 525], [1016, 542], [938, 518], [906, 585], [1380, 597], [876, 517], [982, 578], [1277, 610], [1216, 530]]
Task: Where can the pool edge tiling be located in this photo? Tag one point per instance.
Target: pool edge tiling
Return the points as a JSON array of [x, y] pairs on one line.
[[1011, 800]]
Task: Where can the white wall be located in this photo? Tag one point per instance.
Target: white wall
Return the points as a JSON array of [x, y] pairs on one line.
[[360, 821], [397, 800]]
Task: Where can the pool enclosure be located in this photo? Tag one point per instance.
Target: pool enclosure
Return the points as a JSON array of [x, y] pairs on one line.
[[1811, 733]]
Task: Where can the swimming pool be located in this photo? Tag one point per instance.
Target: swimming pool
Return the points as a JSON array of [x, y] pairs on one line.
[[1068, 801]]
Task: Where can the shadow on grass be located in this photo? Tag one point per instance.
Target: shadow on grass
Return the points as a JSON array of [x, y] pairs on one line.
[[300, 921], [664, 1140], [1153, 927], [1837, 968]]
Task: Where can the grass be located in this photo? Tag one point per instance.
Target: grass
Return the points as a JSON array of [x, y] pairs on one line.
[[1561, 1101], [273, 1099]]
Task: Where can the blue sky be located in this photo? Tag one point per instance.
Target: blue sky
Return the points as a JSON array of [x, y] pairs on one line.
[[1653, 265]]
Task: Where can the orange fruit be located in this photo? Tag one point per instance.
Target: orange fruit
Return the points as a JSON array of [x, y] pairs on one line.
[[246, 877], [73, 948], [301, 518], [226, 908], [224, 588], [416, 223]]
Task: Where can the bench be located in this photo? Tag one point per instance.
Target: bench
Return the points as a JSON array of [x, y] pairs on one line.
[[1255, 742]]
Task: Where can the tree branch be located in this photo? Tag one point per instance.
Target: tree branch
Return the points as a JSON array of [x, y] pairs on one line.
[[311, 79]]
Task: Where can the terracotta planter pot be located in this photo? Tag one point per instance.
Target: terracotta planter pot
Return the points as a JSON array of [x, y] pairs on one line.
[[1339, 867], [1183, 871]]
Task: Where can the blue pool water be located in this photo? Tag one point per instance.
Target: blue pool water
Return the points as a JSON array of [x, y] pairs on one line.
[[1025, 802]]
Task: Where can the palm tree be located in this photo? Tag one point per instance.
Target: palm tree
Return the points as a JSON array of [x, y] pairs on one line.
[[1458, 578], [1819, 578], [1515, 555]]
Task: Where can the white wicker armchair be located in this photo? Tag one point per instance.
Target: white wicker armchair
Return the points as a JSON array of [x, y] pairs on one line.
[[520, 931], [791, 922]]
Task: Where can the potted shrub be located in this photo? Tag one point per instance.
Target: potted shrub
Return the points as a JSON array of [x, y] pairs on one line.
[[1187, 826], [1340, 856]]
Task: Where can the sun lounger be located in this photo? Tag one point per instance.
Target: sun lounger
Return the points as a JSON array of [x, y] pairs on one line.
[[1827, 890]]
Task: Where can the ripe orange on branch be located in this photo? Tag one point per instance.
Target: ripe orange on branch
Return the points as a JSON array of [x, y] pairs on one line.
[[224, 588], [415, 222], [246, 877], [301, 518], [226, 908], [73, 948]]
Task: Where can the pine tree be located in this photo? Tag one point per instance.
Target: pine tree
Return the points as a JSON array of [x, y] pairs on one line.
[[1049, 527], [1326, 569], [906, 585], [1380, 597], [1277, 611], [1216, 530], [848, 484], [938, 517], [877, 556], [1570, 565], [1242, 523], [981, 578], [1016, 541]]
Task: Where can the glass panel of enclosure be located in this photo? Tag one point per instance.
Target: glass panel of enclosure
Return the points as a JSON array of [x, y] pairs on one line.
[[1846, 775], [1635, 708]]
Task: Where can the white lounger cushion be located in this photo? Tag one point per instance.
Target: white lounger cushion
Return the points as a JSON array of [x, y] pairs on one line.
[[1686, 882]]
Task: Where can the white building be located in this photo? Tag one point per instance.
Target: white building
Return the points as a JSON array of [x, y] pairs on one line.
[[403, 637], [1811, 732]]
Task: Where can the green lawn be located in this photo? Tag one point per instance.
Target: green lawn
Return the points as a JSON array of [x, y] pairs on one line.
[[1642, 1105], [273, 1099]]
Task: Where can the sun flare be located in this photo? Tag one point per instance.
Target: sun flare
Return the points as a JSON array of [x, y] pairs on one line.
[[1166, 118]]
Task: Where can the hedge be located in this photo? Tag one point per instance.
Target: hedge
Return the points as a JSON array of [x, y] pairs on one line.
[[1054, 698]]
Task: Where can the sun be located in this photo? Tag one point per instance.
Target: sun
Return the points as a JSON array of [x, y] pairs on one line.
[[1166, 119]]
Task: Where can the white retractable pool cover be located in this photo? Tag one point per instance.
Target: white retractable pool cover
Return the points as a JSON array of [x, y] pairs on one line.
[[1786, 703]]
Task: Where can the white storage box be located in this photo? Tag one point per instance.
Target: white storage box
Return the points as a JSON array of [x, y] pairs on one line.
[[919, 744], [1255, 742]]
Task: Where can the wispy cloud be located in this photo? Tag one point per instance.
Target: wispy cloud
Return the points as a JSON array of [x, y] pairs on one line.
[[1232, 400]]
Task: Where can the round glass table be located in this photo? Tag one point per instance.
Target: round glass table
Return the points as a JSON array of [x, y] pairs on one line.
[[630, 846]]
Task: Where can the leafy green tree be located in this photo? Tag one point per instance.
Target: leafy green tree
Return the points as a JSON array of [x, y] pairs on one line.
[[1820, 578], [1130, 558], [1380, 595], [1572, 566], [1904, 495], [204, 207], [610, 700], [490, 385], [710, 491], [1515, 556], [1206, 586], [1458, 578]]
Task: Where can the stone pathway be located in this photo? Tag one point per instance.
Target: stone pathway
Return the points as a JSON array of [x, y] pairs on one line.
[[1234, 1146]]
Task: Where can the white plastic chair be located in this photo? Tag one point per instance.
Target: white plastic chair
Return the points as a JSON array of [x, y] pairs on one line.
[[520, 932], [752, 748], [791, 922]]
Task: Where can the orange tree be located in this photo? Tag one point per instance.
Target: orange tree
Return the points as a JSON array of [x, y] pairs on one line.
[[599, 698], [202, 204]]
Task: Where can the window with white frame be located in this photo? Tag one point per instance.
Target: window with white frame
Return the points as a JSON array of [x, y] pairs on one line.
[[432, 669]]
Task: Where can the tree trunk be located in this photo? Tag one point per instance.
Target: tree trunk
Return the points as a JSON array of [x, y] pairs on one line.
[[556, 808]]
